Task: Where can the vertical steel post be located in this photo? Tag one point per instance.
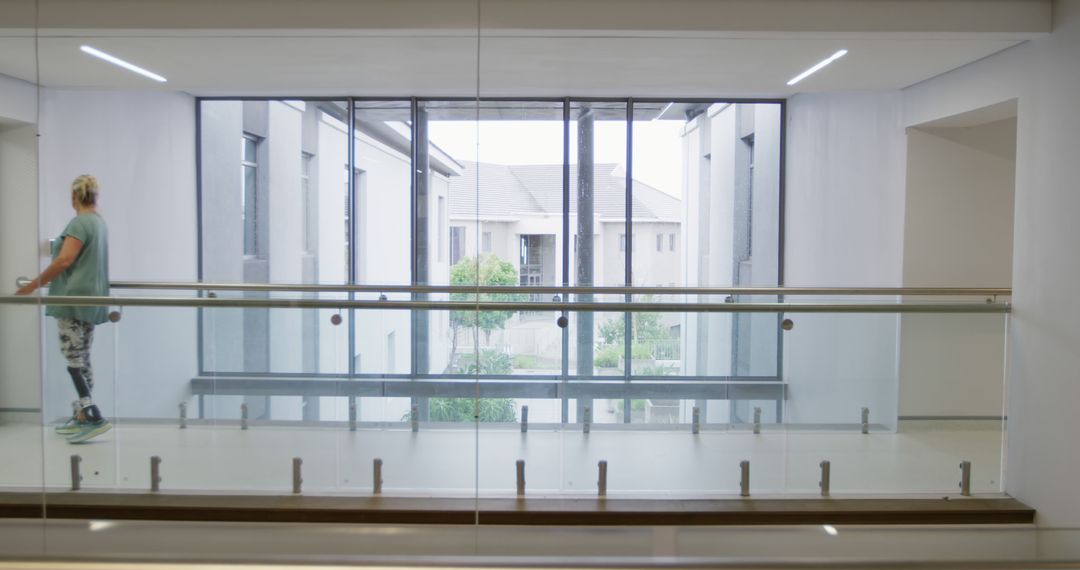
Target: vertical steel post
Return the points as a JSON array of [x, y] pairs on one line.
[[521, 477], [297, 480], [183, 415], [757, 420], [76, 477], [244, 416], [415, 418], [696, 425], [155, 474], [825, 474], [965, 478], [524, 419], [866, 420], [601, 482], [586, 421], [352, 414], [376, 479], [744, 479]]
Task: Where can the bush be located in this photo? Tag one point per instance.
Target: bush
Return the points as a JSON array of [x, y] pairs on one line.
[[491, 362], [608, 356], [463, 409], [524, 361]]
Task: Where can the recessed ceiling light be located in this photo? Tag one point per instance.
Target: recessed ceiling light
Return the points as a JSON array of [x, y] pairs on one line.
[[126, 65], [818, 66]]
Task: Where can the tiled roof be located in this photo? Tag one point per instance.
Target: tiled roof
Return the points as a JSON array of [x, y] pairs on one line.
[[512, 190]]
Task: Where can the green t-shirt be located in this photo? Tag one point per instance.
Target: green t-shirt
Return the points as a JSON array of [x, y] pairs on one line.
[[88, 275]]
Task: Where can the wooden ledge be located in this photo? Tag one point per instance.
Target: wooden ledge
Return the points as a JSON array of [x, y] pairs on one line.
[[531, 511]]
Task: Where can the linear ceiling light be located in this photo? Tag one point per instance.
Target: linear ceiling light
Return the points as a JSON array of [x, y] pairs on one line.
[[818, 66], [117, 61]]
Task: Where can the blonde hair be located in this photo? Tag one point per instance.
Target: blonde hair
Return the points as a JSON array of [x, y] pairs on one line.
[[85, 190]]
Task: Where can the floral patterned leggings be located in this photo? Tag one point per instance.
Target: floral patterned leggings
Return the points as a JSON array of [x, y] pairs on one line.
[[76, 338]]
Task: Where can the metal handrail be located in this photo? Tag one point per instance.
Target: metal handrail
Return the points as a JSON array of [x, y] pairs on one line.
[[578, 290], [552, 306]]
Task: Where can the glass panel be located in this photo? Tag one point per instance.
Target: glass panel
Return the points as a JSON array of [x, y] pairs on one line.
[[707, 176], [291, 161], [931, 386]]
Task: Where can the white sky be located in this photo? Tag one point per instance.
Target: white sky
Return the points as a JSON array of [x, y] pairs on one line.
[[657, 145]]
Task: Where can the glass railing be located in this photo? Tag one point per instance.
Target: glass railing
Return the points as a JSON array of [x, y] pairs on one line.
[[338, 390]]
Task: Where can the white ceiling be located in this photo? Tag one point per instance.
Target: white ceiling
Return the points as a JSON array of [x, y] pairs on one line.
[[415, 63]]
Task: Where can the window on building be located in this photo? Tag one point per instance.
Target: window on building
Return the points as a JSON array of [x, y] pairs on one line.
[[671, 242], [622, 243], [486, 244], [457, 244], [249, 166], [308, 208], [659, 242], [442, 230]]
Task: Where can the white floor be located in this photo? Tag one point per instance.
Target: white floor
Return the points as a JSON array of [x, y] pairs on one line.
[[922, 457]]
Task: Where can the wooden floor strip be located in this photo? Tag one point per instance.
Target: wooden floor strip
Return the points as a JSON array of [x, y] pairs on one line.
[[530, 511]]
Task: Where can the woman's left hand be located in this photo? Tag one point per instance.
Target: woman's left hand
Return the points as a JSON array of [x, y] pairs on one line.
[[27, 289]]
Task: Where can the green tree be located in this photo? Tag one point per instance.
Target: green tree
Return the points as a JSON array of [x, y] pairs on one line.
[[464, 410], [492, 271]]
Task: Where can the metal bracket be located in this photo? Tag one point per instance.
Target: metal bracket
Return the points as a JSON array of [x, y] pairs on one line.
[[76, 476], [414, 418], [352, 415], [524, 419], [757, 421], [183, 415], [297, 479], [601, 482], [376, 479], [243, 416], [521, 477], [866, 420], [696, 425], [744, 479], [825, 474], [965, 478], [586, 422], [155, 474]]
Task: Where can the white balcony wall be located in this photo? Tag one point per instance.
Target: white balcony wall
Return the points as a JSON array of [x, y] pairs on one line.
[[1044, 76], [844, 227], [20, 327], [141, 148]]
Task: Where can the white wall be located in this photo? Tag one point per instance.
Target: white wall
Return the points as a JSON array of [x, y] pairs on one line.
[[141, 147], [1043, 361], [958, 233], [20, 326], [844, 227]]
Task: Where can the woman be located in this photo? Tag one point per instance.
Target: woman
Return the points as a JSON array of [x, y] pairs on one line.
[[80, 267]]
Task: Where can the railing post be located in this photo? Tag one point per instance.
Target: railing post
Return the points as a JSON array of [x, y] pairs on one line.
[[243, 415], [297, 479], [76, 476], [824, 483], [965, 478], [587, 420], [696, 425], [524, 419], [521, 477], [415, 418], [376, 480], [866, 420], [183, 415], [601, 482], [744, 479], [757, 421], [155, 474]]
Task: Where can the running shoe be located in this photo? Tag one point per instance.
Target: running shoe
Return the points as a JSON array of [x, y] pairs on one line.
[[71, 426], [89, 430]]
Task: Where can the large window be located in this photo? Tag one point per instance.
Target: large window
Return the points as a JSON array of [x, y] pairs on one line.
[[249, 196], [539, 193]]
